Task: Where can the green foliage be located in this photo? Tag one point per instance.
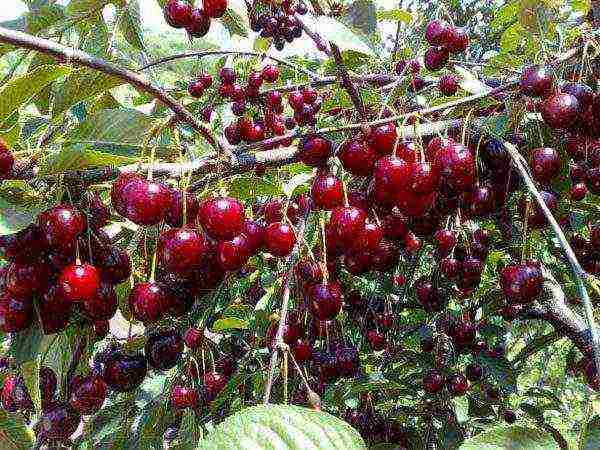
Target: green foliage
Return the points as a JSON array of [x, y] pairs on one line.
[[515, 437]]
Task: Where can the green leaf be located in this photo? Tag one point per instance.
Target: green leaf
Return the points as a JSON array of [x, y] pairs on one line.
[[469, 82], [500, 370], [396, 15], [22, 89], [14, 435], [230, 323], [581, 6], [506, 15], [338, 33], [153, 422], [190, 431], [95, 40], [296, 182], [129, 24], [282, 426], [362, 14], [20, 205], [25, 346], [514, 437], [235, 18], [43, 18], [590, 437], [512, 37], [79, 157], [84, 7], [80, 85], [31, 376], [248, 187]]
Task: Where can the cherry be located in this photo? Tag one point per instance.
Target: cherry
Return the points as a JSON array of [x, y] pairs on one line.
[[124, 373], [233, 134], [145, 202], [582, 92], [474, 372], [347, 224], [315, 150], [194, 338], [537, 81], [115, 266], [148, 302], [385, 256], [178, 13], [195, 89], [214, 8], [58, 422], [222, 218], [309, 95], [88, 395], [163, 349], [292, 331], [509, 416], [457, 39], [98, 214], [14, 395], [537, 219], [369, 239], [522, 283], [436, 58], [391, 175], [325, 300], [48, 384], [433, 381], [436, 32], [255, 79], [296, 100], [26, 280], [270, 73], [456, 165], [457, 385], [578, 191], [545, 164], [255, 235], [61, 225], [183, 397], [560, 110], [412, 65], [234, 254], [303, 351], [309, 271], [448, 84], [24, 246], [214, 383], [382, 138], [357, 157], [327, 191], [79, 282], [16, 314], [199, 24], [428, 295], [451, 267], [279, 239], [445, 240], [272, 210], [182, 250], [376, 339], [7, 161], [103, 305]]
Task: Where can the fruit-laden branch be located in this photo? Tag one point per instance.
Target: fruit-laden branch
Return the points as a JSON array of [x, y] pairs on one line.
[[346, 82], [69, 55]]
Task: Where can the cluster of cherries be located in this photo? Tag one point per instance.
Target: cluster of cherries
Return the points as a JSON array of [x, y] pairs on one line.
[[195, 20], [445, 39], [278, 22]]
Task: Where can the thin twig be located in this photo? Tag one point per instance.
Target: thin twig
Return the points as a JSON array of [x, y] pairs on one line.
[[346, 82]]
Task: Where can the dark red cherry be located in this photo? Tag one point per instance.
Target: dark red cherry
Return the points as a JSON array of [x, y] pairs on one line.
[[195, 88], [433, 381], [163, 349], [448, 84], [97, 212], [103, 305], [16, 314], [270, 73], [148, 302], [14, 395], [537, 81], [7, 161], [272, 210], [233, 134], [428, 295], [194, 338], [61, 225], [521, 283], [560, 110], [382, 138], [357, 157], [457, 39], [89, 395], [457, 384], [124, 373], [582, 92], [537, 219], [325, 300], [369, 239], [303, 351], [578, 191], [474, 372], [346, 224], [456, 164], [445, 240], [436, 32], [255, 235], [309, 271], [327, 191], [451, 267], [227, 75], [178, 13], [385, 256], [183, 397], [279, 239], [79, 282], [58, 422], [234, 254], [25, 246], [482, 201], [115, 266], [146, 202], [199, 24], [377, 340], [222, 218], [509, 416], [391, 175], [214, 8], [296, 100], [48, 385], [436, 58], [545, 164], [214, 383], [315, 150], [26, 280], [182, 250]]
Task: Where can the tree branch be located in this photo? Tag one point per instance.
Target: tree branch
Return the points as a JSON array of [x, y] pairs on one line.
[[346, 82], [69, 55]]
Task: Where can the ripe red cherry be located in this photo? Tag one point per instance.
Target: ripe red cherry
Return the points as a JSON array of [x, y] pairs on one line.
[[457, 39], [195, 89], [451, 267], [445, 240], [25, 280], [582, 92], [270, 73], [79, 282], [578, 191], [325, 300], [412, 65], [457, 384], [145, 202], [433, 381], [222, 217], [545, 164], [89, 395], [194, 338], [377, 340], [182, 250], [279, 239], [509, 416], [14, 395], [98, 214], [391, 175], [124, 373], [178, 13], [537, 219], [448, 84], [474, 372], [309, 95], [61, 225], [296, 100], [560, 110], [303, 351], [183, 397], [436, 32], [214, 8], [199, 24], [7, 161], [436, 58], [148, 302], [255, 235], [522, 283], [537, 81], [234, 254], [315, 150], [428, 295], [227, 75], [357, 157], [103, 305], [58, 422], [369, 239], [456, 165], [346, 224], [327, 191], [163, 349], [25, 246], [214, 383], [382, 138], [115, 266], [174, 216], [48, 384]]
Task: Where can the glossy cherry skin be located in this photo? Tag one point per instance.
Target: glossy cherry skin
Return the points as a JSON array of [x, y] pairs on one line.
[[445, 240], [457, 384], [560, 110], [16, 314], [346, 224], [456, 165], [521, 283], [163, 349], [255, 235], [25, 246], [183, 397], [199, 23], [385, 256], [390, 176], [436, 32], [325, 300], [58, 422], [357, 157], [148, 302], [436, 58], [222, 218], [61, 225], [214, 383], [270, 74], [582, 92], [146, 202], [433, 381], [369, 239], [214, 8], [97, 212], [174, 215], [537, 81], [89, 395], [7, 161], [578, 191], [26, 280], [428, 295], [178, 13], [376, 339], [448, 84], [545, 164], [279, 239], [234, 254], [194, 338], [382, 138], [115, 266], [124, 373], [79, 282], [14, 395], [327, 191], [457, 39], [315, 150], [537, 219], [474, 372], [182, 250], [103, 305]]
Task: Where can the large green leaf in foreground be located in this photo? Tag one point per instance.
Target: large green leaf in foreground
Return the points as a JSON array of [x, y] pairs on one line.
[[514, 437]]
